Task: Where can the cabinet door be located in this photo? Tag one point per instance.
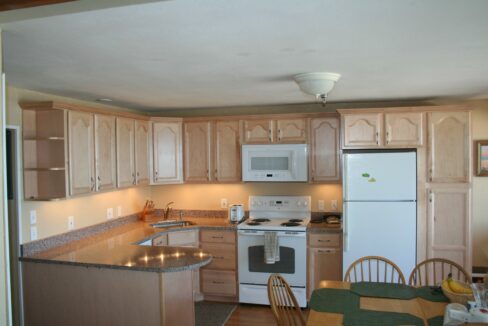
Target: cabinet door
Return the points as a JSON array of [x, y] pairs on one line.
[[449, 149], [167, 152], [324, 264], [325, 150], [291, 131], [197, 151], [105, 160], [142, 152], [81, 152], [126, 172], [449, 225], [258, 131], [227, 161], [362, 130], [404, 129]]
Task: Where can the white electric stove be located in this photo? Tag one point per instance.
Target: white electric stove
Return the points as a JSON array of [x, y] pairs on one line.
[[288, 217]]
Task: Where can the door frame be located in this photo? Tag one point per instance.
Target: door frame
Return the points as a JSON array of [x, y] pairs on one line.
[[18, 170]]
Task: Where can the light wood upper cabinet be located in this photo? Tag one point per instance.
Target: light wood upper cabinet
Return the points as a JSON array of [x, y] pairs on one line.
[[404, 129], [142, 143], [196, 151], [227, 160], [362, 130], [81, 151], [258, 131], [291, 131], [324, 149], [126, 172], [167, 152], [449, 146], [105, 158], [449, 224]]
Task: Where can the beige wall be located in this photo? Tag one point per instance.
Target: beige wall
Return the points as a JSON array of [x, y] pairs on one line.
[[208, 196], [480, 193], [52, 217]]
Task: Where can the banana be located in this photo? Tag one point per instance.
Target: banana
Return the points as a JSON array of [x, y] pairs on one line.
[[458, 287]]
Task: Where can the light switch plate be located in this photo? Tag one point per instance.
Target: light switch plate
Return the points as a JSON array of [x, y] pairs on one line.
[[71, 222], [33, 233], [110, 213], [321, 205], [119, 211], [33, 217], [333, 204], [223, 203]]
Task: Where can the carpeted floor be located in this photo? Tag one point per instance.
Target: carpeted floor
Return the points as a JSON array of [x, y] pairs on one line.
[[213, 313]]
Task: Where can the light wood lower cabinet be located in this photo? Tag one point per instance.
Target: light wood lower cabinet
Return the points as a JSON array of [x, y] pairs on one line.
[[324, 259], [449, 227], [219, 278], [218, 283]]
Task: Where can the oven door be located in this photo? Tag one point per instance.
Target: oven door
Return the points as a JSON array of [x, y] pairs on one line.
[[293, 258]]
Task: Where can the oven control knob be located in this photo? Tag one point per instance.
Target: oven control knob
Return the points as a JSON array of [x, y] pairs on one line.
[[299, 203], [305, 203]]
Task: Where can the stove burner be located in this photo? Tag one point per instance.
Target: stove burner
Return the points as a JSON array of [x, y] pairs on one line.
[[296, 220], [253, 223], [290, 224], [260, 220]]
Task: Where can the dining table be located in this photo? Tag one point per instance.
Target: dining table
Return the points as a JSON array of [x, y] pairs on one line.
[[372, 303]]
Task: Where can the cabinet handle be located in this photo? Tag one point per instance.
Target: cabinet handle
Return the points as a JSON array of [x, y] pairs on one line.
[[326, 251], [324, 240], [377, 138], [208, 174], [387, 137], [279, 134], [217, 282], [215, 174], [133, 178], [217, 237], [269, 135], [92, 188], [430, 174], [155, 172]]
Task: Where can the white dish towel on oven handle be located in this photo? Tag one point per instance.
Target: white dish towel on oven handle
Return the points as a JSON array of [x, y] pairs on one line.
[[271, 248]]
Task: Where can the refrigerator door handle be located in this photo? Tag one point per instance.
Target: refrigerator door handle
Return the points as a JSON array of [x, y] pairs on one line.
[[346, 227]]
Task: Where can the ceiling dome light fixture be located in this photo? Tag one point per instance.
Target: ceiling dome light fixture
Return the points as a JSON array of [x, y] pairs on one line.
[[317, 83]]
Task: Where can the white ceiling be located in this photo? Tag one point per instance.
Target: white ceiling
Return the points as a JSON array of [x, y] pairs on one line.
[[216, 53]]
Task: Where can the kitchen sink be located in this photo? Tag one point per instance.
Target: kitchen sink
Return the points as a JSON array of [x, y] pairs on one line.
[[170, 223]]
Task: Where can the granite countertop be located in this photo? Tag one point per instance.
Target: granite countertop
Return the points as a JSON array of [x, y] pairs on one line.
[[117, 248]]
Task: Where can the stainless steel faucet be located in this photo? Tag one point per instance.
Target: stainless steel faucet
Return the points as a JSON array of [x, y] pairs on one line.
[[167, 209]]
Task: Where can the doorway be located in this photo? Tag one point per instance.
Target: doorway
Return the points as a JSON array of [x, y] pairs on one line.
[[12, 160]]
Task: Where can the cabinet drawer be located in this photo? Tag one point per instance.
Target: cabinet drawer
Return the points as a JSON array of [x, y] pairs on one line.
[[162, 240], [181, 238], [224, 255], [218, 236], [222, 283], [325, 240]]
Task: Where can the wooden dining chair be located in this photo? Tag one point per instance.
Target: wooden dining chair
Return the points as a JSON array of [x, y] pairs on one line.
[[284, 305], [374, 269], [432, 271]]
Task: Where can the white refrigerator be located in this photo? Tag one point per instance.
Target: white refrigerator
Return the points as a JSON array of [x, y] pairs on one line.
[[380, 207]]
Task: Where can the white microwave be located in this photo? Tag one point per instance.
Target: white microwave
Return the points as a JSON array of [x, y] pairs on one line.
[[275, 163]]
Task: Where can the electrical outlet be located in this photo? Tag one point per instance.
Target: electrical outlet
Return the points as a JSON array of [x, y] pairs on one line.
[[223, 203], [33, 232], [333, 204], [71, 222], [321, 205], [110, 213], [119, 211], [33, 217]]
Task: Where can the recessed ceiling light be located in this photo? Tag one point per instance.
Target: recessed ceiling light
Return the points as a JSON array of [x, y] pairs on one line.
[[104, 99]]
